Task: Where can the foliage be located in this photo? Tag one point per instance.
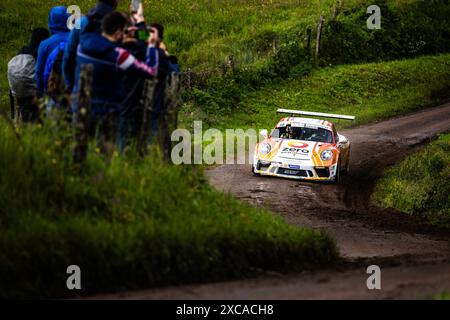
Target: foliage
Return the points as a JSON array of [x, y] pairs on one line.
[[419, 185]]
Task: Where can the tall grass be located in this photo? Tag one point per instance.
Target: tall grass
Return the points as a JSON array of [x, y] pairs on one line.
[[203, 33], [419, 185], [129, 223], [370, 91]]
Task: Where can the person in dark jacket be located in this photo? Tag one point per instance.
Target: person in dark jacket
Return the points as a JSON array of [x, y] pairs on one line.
[[132, 113], [159, 125], [26, 107], [37, 36], [57, 23], [102, 8], [110, 64]]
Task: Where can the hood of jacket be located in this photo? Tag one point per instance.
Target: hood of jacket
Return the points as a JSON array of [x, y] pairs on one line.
[[101, 9], [95, 45], [57, 20]]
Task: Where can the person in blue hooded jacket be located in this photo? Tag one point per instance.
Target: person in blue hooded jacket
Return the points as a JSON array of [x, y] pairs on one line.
[[57, 23], [102, 8], [110, 64]]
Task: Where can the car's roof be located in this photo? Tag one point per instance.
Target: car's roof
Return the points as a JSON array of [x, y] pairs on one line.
[[295, 121]]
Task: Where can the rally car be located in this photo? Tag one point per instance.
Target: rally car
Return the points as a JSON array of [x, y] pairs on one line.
[[303, 148]]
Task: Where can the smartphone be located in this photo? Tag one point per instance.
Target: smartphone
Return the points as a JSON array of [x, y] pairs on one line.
[[135, 5], [142, 34]]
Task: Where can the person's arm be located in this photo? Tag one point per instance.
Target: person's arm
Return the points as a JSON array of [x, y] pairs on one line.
[[152, 57], [70, 54], [40, 66], [129, 64], [69, 58]]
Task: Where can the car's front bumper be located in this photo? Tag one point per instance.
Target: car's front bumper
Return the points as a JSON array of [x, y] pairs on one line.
[[295, 171]]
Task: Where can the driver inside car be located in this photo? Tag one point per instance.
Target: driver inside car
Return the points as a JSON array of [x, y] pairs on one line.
[[289, 133]]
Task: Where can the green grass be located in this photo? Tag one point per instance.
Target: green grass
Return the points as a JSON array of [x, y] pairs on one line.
[[442, 296], [203, 33], [131, 223], [370, 91], [419, 185]]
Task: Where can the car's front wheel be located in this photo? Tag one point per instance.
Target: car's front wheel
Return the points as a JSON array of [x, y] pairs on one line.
[[253, 169]]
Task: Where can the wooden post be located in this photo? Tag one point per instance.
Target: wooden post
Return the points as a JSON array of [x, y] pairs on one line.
[[275, 45], [172, 102], [336, 8], [187, 79], [83, 114], [308, 39], [147, 101], [231, 63], [319, 35]]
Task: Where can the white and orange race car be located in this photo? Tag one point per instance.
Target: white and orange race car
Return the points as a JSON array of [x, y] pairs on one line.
[[303, 148]]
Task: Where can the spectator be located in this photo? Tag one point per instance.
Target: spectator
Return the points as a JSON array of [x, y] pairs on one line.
[[132, 113], [110, 64], [159, 116], [53, 80], [102, 8], [21, 77], [57, 23], [38, 35]]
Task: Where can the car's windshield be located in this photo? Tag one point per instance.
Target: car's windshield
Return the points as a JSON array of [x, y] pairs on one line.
[[304, 133]]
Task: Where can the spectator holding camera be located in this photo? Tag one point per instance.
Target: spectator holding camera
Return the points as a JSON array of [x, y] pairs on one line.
[[110, 64], [159, 116], [132, 113]]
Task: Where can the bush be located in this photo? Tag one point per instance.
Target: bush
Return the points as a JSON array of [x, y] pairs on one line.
[[407, 30]]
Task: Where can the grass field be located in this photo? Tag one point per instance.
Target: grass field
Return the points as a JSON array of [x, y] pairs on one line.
[[371, 92], [419, 185], [131, 223], [134, 222], [204, 33]]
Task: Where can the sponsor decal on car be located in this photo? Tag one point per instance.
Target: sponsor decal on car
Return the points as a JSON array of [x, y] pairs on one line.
[[298, 145]]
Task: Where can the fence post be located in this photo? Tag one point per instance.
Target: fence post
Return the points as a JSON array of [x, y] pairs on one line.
[[147, 101], [275, 45], [187, 78], [172, 101], [319, 35], [336, 8], [83, 114], [308, 40], [231, 63]]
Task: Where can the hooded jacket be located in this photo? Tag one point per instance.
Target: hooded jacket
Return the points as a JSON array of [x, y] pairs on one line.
[[70, 53], [110, 64], [38, 35], [57, 23]]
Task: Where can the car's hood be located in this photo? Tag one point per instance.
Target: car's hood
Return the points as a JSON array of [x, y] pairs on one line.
[[295, 149], [285, 150]]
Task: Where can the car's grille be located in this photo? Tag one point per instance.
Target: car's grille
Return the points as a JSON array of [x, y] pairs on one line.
[[322, 172], [292, 172]]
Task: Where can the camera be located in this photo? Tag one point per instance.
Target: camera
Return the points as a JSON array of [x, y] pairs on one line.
[[142, 34]]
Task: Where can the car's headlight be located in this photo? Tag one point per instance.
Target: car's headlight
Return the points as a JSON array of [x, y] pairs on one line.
[[264, 148], [326, 155]]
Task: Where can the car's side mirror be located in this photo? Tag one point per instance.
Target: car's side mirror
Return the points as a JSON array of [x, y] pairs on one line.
[[264, 134]]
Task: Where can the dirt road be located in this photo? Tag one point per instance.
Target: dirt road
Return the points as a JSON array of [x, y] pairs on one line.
[[415, 260]]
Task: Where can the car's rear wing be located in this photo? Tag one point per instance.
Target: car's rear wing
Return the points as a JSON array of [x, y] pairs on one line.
[[317, 114]]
